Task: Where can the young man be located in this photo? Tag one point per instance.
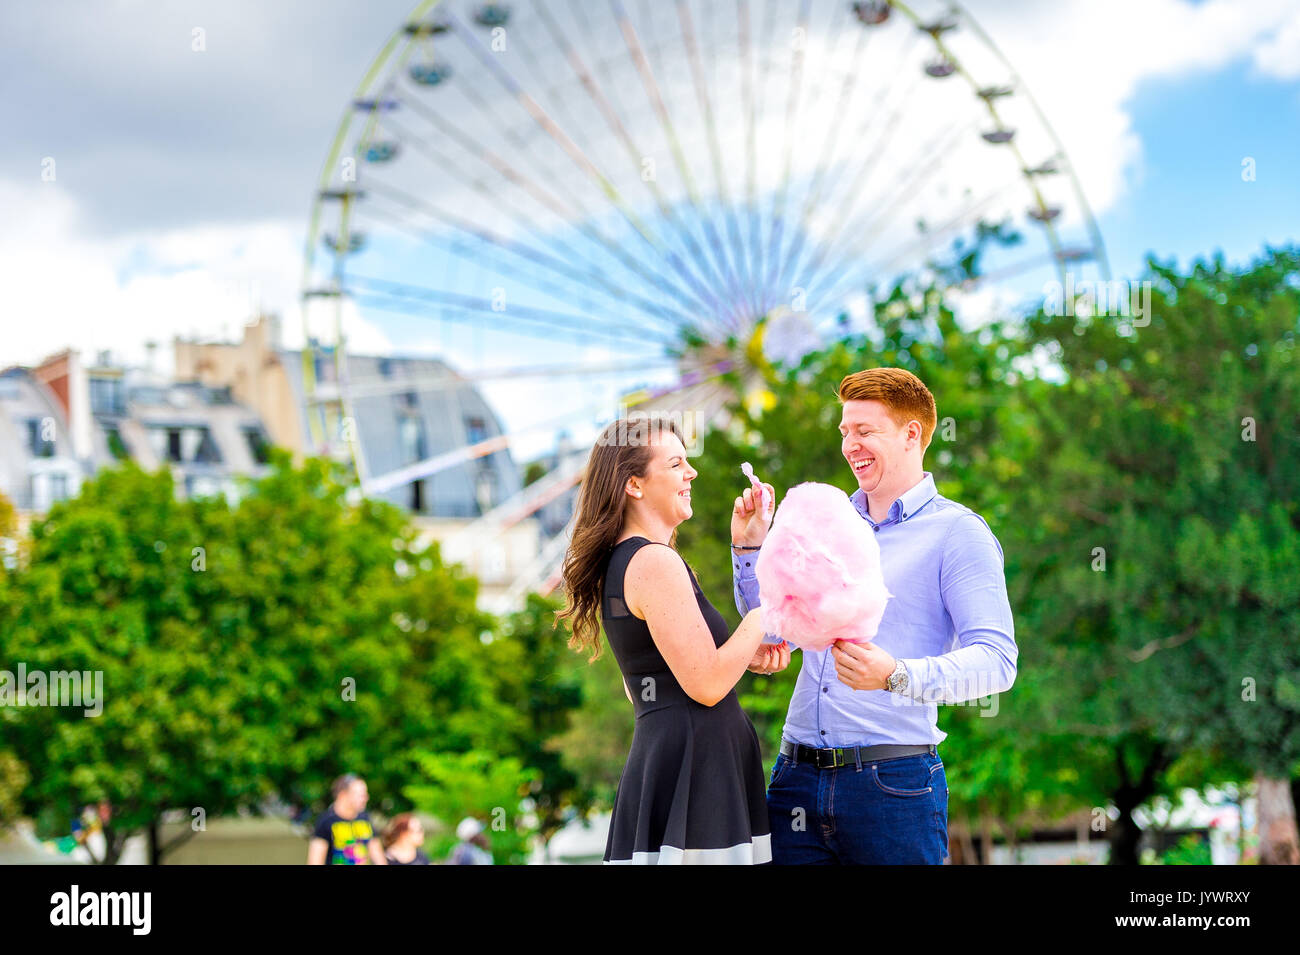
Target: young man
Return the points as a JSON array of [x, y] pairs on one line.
[[344, 834], [859, 779]]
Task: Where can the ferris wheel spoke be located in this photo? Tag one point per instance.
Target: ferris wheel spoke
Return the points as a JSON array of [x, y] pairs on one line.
[[940, 150], [721, 274], [766, 301], [794, 90], [585, 165], [932, 236], [1025, 265], [450, 380], [477, 254], [744, 42], [837, 195], [729, 266], [580, 219], [474, 317], [564, 207], [827, 152], [616, 125], [782, 276], [406, 202], [929, 239], [593, 273], [736, 265], [528, 314], [821, 247]]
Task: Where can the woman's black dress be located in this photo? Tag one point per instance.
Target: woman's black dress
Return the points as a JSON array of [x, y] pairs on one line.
[[692, 791]]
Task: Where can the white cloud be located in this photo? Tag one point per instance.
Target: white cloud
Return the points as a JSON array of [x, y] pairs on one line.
[[1084, 61], [1278, 56], [117, 294]]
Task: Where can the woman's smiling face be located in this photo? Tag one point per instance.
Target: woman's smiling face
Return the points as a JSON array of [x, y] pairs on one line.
[[665, 488]]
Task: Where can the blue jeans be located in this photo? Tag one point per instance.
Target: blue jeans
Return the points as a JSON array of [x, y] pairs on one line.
[[886, 812]]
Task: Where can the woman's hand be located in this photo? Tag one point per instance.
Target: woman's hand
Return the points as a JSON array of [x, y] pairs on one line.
[[749, 520], [770, 658]]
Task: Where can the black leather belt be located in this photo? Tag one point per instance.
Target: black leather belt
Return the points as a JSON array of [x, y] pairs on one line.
[[850, 755]]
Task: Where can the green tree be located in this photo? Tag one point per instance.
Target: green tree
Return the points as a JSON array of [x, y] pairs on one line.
[[491, 789], [246, 652], [599, 735], [540, 683], [1168, 542]]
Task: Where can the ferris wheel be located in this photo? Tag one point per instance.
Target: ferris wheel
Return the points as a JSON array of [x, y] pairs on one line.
[[601, 205]]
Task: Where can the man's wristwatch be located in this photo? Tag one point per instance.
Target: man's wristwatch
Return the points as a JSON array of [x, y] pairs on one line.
[[897, 682]]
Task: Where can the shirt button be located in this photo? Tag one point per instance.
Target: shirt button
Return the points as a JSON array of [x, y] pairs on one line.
[[823, 732], [876, 528], [826, 689]]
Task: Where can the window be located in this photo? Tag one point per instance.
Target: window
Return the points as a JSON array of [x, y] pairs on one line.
[[185, 445], [107, 396], [475, 430], [417, 497], [258, 446], [410, 432], [58, 486], [40, 437], [207, 452]]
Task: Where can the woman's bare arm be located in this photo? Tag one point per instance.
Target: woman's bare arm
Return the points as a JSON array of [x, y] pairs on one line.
[[657, 588]]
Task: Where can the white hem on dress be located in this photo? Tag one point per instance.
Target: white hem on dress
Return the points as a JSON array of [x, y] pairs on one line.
[[755, 852]]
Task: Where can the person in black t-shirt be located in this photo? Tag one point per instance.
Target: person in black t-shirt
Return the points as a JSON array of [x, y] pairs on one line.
[[402, 841], [344, 834]]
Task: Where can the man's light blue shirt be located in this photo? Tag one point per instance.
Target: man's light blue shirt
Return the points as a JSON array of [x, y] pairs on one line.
[[949, 621]]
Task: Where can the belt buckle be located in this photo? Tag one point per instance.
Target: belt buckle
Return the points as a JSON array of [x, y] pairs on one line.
[[833, 754]]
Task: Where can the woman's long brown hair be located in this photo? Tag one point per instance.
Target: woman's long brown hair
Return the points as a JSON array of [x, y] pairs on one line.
[[622, 451], [396, 829]]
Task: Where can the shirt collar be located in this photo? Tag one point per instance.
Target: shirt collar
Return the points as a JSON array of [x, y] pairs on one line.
[[908, 503]]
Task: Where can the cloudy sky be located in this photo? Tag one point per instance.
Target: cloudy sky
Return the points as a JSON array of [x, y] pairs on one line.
[[148, 189]]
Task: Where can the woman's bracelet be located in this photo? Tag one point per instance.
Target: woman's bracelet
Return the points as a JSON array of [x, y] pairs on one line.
[[746, 547]]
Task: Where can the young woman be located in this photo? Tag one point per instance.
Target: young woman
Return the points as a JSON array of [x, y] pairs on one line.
[[402, 840], [693, 789]]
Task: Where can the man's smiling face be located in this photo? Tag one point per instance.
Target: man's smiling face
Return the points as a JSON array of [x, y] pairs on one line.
[[875, 447]]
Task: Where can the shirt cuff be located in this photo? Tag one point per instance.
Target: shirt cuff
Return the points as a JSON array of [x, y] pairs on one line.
[[746, 583], [918, 678], [742, 564]]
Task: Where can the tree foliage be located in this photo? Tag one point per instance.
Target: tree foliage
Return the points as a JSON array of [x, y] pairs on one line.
[[255, 651]]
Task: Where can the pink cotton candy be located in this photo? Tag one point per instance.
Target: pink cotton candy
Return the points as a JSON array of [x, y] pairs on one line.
[[819, 576]]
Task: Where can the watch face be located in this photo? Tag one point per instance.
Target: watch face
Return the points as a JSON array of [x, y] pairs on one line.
[[898, 679]]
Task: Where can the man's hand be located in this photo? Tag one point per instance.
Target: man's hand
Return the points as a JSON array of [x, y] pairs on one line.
[[770, 658], [862, 666], [749, 521]]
